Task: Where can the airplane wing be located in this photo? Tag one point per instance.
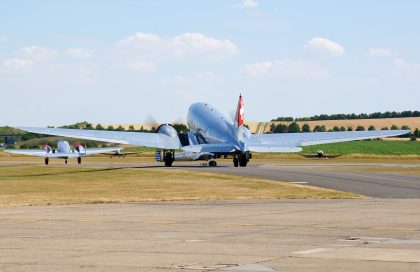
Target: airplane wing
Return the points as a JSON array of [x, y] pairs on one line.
[[309, 155], [292, 141], [37, 153], [93, 151], [157, 140]]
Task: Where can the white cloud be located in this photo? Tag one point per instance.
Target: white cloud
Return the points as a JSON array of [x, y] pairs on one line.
[[80, 53], [380, 52], [18, 64], [248, 4], [39, 53], [141, 67], [287, 69], [187, 44], [325, 46], [197, 79]]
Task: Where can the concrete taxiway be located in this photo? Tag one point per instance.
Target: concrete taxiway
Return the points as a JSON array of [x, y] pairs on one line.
[[283, 235]]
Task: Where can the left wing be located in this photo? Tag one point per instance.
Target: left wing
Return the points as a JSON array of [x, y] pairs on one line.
[[157, 140], [292, 141], [37, 153]]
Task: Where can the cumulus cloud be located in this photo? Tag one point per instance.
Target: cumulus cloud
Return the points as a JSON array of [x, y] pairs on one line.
[[287, 69], [248, 4], [380, 52], [186, 44], [18, 64], [80, 52], [325, 46], [39, 53]]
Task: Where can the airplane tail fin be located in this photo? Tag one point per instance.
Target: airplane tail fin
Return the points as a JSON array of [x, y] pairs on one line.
[[239, 120]]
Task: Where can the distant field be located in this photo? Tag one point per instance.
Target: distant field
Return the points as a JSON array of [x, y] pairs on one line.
[[368, 148], [41, 185]]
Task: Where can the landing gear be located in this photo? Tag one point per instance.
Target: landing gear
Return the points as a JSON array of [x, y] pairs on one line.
[[241, 159], [65, 161], [235, 161], [79, 160], [169, 158], [212, 163], [47, 161]]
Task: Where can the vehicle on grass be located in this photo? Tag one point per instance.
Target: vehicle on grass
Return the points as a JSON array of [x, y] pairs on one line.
[[321, 155]]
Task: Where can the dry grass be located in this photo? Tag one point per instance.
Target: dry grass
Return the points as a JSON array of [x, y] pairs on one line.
[[37, 185]]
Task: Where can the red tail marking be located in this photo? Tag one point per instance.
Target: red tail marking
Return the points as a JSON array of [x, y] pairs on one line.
[[240, 111]]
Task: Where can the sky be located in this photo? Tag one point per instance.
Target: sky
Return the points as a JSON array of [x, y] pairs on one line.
[[130, 61]]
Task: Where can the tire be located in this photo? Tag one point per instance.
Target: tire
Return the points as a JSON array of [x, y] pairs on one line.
[[79, 160], [46, 161], [212, 163], [235, 162], [168, 163]]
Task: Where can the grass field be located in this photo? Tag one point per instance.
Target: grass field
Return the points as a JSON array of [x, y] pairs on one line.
[[37, 185]]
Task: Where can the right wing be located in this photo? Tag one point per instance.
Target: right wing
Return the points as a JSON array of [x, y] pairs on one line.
[[157, 140]]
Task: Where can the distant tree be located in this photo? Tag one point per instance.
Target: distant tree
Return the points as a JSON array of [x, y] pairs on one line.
[[88, 126], [416, 132], [320, 128], [293, 128], [110, 128], [371, 128], [280, 128], [360, 128], [413, 138], [394, 127], [99, 127], [180, 128], [342, 128], [405, 127], [385, 128], [131, 128], [306, 128], [349, 128], [120, 128], [336, 128]]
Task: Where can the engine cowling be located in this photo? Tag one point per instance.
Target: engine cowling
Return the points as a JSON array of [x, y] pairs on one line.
[[79, 148], [168, 130], [46, 148]]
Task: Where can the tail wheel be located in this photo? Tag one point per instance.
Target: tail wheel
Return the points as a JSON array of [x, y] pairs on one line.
[[79, 160], [47, 161], [65, 161]]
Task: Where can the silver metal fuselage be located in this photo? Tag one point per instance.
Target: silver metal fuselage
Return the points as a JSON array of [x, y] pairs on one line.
[[63, 147], [211, 125]]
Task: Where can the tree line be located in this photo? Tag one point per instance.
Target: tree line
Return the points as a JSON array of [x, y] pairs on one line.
[[295, 128], [352, 116]]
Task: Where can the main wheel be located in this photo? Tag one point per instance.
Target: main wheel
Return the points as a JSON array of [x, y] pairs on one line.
[[235, 162], [46, 161], [243, 160], [169, 159], [65, 161], [79, 160]]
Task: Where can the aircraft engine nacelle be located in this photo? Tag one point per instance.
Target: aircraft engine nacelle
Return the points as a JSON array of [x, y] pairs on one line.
[[46, 148], [79, 148], [168, 130]]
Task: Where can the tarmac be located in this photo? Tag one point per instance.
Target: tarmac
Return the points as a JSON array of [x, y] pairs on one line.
[[279, 235]]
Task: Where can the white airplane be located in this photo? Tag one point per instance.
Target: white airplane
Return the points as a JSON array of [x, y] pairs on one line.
[[212, 135], [64, 151]]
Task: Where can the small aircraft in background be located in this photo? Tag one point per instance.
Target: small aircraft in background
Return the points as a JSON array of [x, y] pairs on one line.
[[64, 151], [320, 154]]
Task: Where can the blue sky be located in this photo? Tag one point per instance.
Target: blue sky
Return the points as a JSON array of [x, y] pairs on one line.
[[124, 61]]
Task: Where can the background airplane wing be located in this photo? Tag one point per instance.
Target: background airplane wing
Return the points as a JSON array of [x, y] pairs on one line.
[[278, 141], [157, 140], [93, 151], [37, 153]]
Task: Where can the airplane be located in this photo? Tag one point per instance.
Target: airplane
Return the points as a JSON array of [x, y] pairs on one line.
[[320, 154], [212, 135], [64, 151]]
